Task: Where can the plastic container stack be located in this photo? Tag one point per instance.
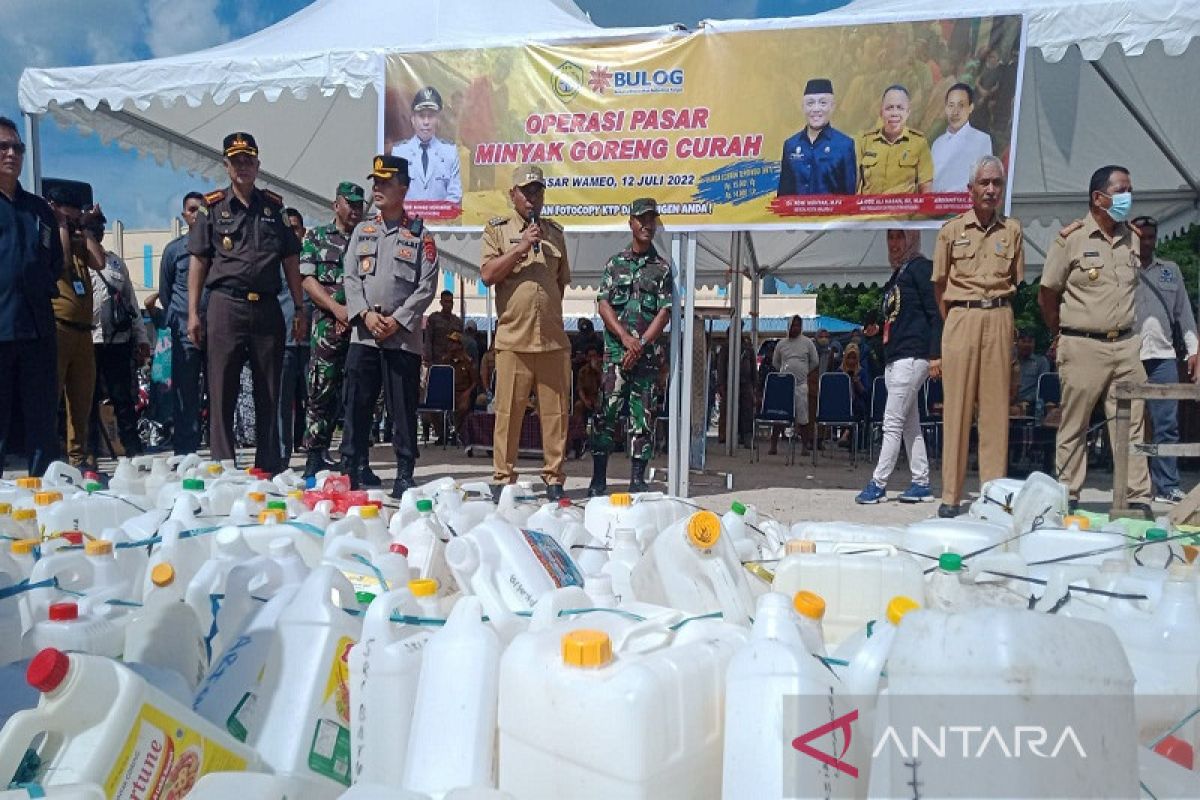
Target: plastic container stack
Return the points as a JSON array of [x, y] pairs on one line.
[[197, 631]]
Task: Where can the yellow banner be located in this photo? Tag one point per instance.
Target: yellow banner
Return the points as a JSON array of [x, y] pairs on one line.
[[756, 128]]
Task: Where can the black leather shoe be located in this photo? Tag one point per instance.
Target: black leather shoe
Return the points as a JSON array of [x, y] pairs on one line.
[[316, 463], [402, 485], [946, 511], [368, 477], [1144, 508], [637, 477], [599, 485], [554, 492]]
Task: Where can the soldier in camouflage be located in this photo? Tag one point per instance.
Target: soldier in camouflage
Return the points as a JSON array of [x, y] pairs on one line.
[[321, 268], [635, 304]]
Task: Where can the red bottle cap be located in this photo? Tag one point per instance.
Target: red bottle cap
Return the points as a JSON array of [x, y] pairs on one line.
[[48, 669], [399, 548], [64, 612]]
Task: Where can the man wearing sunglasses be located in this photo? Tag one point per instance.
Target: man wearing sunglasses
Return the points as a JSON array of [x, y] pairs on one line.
[[31, 258]]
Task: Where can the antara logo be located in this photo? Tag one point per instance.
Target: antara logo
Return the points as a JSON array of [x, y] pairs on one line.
[[842, 723]]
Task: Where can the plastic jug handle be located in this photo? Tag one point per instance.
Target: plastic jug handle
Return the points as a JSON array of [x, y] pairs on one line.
[[635, 638], [725, 586], [866, 548], [17, 736]]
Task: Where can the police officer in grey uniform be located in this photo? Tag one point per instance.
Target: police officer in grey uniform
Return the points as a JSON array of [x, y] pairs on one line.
[[391, 268], [432, 163]]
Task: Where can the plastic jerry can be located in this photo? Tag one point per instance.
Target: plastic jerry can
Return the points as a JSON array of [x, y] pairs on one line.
[[425, 538], [452, 741], [66, 627], [774, 692], [933, 537], [693, 567], [165, 632], [602, 707], [646, 514], [385, 667], [108, 726], [305, 724], [258, 786]]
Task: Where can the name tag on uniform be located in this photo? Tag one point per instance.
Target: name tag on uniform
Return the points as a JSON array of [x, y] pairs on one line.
[[957, 242], [1092, 254], [80, 291]]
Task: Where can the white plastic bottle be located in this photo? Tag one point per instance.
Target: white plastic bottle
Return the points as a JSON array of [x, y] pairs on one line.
[[624, 557], [385, 667], [109, 727], [862, 677], [453, 738], [229, 551], [282, 550], [772, 682], [425, 594], [737, 522], [810, 610], [166, 632], [517, 502], [64, 626], [374, 527], [425, 538]]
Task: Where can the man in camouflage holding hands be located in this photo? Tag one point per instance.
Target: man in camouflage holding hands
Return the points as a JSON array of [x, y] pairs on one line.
[[635, 304], [321, 268]]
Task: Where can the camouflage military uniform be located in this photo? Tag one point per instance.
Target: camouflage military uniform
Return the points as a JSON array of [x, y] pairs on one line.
[[321, 257], [637, 287]]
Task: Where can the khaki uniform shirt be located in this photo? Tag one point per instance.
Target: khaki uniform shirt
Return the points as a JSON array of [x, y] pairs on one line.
[[395, 269], [74, 301], [979, 263], [897, 167], [529, 300], [1097, 277], [438, 327]]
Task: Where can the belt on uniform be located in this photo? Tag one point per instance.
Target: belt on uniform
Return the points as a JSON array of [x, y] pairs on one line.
[[75, 326], [991, 302], [241, 294], [1103, 336]]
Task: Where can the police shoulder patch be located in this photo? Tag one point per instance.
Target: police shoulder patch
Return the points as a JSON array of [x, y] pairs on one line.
[[916, 133], [495, 221], [429, 248], [212, 198], [274, 198], [1067, 230]]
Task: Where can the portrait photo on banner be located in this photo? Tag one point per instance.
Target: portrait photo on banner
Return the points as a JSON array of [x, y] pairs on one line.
[[750, 126]]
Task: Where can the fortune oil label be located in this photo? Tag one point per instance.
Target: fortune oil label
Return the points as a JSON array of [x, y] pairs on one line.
[[329, 754], [162, 760]]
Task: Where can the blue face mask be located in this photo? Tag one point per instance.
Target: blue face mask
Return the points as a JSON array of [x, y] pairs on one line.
[[1121, 203]]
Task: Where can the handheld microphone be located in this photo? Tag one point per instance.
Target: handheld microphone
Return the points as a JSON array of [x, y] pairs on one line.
[[535, 218]]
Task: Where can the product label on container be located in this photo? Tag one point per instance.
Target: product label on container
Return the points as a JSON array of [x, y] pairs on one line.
[[162, 760], [554, 559], [329, 754]]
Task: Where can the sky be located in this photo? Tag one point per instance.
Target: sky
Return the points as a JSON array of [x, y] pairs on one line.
[[136, 190]]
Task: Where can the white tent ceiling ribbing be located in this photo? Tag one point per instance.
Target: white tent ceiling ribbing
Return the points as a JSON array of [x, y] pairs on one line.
[[308, 88]]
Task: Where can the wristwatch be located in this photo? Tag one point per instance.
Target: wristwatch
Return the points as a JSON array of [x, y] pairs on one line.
[[642, 341]]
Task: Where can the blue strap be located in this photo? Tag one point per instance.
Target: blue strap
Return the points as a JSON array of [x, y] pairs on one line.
[[370, 565]]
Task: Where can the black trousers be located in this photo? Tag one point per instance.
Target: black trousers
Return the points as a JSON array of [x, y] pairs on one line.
[[240, 330], [293, 393], [400, 373], [114, 380], [29, 398], [187, 390]]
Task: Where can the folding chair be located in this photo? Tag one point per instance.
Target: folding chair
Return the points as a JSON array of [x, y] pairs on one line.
[[879, 395], [439, 397], [778, 408], [835, 411]]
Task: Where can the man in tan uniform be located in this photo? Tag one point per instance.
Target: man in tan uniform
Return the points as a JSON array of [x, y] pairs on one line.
[[525, 258], [1087, 301], [894, 158], [977, 264]]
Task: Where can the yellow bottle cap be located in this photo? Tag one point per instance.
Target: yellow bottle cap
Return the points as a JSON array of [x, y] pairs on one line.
[[809, 604], [794, 546], [295, 494], [369, 511], [163, 574], [257, 497], [586, 648], [898, 606], [271, 515], [23, 547], [98, 547], [704, 529], [620, 499], [22, 514], [423, 587], [215, 469], [1081, 522], [29, 483], [5, 508], [46, 498]]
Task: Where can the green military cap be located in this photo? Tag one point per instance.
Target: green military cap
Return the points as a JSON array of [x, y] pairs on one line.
[[351, 191], [643, 205], [527, 174]]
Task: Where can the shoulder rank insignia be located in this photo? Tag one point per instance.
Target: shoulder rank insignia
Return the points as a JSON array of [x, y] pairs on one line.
[[368, 229], [272, 196], [1067, 230], [212, 198], [497, 220]]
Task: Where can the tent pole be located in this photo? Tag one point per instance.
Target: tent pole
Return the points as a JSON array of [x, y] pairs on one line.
[[1139, 116], [685, 371], [733, 348], [33, 144], [676, 435]]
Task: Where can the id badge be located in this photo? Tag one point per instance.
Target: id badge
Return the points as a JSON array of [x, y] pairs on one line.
[[79, 290]]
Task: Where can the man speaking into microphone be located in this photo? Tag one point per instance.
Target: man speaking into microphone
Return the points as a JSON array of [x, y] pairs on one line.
[[525, 259]]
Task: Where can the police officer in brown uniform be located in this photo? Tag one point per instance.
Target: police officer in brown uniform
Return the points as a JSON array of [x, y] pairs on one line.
[[1087, 299], [237, 246], [525, 258], [977, 264]]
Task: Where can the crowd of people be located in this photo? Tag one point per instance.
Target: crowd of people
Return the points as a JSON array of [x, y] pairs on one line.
[[237, 292]]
